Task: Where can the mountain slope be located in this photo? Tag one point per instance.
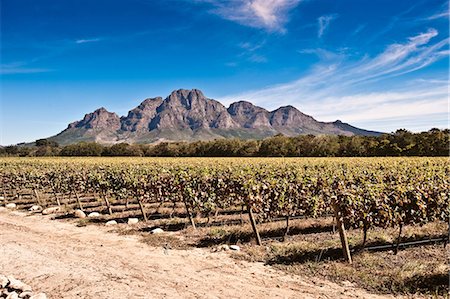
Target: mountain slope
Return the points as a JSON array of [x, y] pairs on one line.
[[188, 115]]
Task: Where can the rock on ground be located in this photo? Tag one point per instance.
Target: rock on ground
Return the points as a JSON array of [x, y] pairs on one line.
[[13, 295], [94, 214], [3, 281], [133, 220], [79, 214], [35, 208], [18, 285], [111, 222], [157, 231], [11, 205], [51, 210], [26, 294], [223, 247]]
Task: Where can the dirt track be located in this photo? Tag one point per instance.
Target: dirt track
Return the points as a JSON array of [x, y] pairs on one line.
[[66, 261]]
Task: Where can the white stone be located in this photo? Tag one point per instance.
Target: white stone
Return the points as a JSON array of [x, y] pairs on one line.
[[2, 198], [111, 222], [223, 247], [39, 296], [157, 231], [133, 220], [35, 208], [3, 281], [79, 214], [49, 211], [11, 205], [26, 294], [94, 214], [235, 247], [13, 295], [18, 285], [347, 284]]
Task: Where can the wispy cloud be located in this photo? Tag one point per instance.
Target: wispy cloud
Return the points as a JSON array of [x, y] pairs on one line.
[[257, 58], [84, 41], [323, 23], [271, 15], [251, 47], [359, 29], [357, 90], [445, 14], [325, 55], [250, 52], [20, 68]]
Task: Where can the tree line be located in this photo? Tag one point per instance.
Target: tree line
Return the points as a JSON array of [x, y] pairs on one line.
[[434, 142]]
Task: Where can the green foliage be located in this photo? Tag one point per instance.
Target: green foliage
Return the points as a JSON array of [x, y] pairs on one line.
[[370, 192], [82, 149], [400, 143], [46, 142]]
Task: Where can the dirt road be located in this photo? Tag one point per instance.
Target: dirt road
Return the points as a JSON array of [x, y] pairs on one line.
[[66, 261]]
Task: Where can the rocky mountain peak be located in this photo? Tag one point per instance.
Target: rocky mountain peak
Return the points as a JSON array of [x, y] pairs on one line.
[[99, 119], [186, 98], [248, 115], [289, 116], [140, 117], [189, 115]]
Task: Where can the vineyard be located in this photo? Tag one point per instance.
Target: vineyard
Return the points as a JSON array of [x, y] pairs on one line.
[[360, 193]]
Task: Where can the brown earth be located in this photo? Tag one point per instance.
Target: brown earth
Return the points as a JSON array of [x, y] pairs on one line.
[[66, 261]]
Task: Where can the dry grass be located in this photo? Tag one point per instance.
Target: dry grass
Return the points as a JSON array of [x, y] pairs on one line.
[[415, 270], [311, 248], [423, 269]]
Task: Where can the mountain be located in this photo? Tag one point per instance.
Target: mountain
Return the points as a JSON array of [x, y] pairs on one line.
[[188, 115]]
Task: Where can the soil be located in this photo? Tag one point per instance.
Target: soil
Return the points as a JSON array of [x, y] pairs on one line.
[[65, 261]]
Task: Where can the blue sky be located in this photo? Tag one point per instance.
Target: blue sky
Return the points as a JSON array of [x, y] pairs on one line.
[[378, 64]]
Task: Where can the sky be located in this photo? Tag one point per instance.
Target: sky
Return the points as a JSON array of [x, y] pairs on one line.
[[379, 64]]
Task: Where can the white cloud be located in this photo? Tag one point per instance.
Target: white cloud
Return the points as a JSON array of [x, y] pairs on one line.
[[362, 91], [324, 22], [20, 68], [445, 14], [83, 41], [257, 58], [271, 15]]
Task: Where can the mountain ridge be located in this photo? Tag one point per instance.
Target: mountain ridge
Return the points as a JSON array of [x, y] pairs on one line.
[[187, 115]]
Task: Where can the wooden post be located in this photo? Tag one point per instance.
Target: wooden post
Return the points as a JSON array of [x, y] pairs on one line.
[[108, 205], [191, 219], [342, 233], [78, 201], [398, 239], [286, 232], [141, 205], [4, 195], [57, 199], [448, 235], [36, 194], [254, 227], [334, 225], [365, 228], [216, 214]]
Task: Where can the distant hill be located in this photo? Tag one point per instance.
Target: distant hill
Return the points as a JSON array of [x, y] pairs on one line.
[[187, 115]]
